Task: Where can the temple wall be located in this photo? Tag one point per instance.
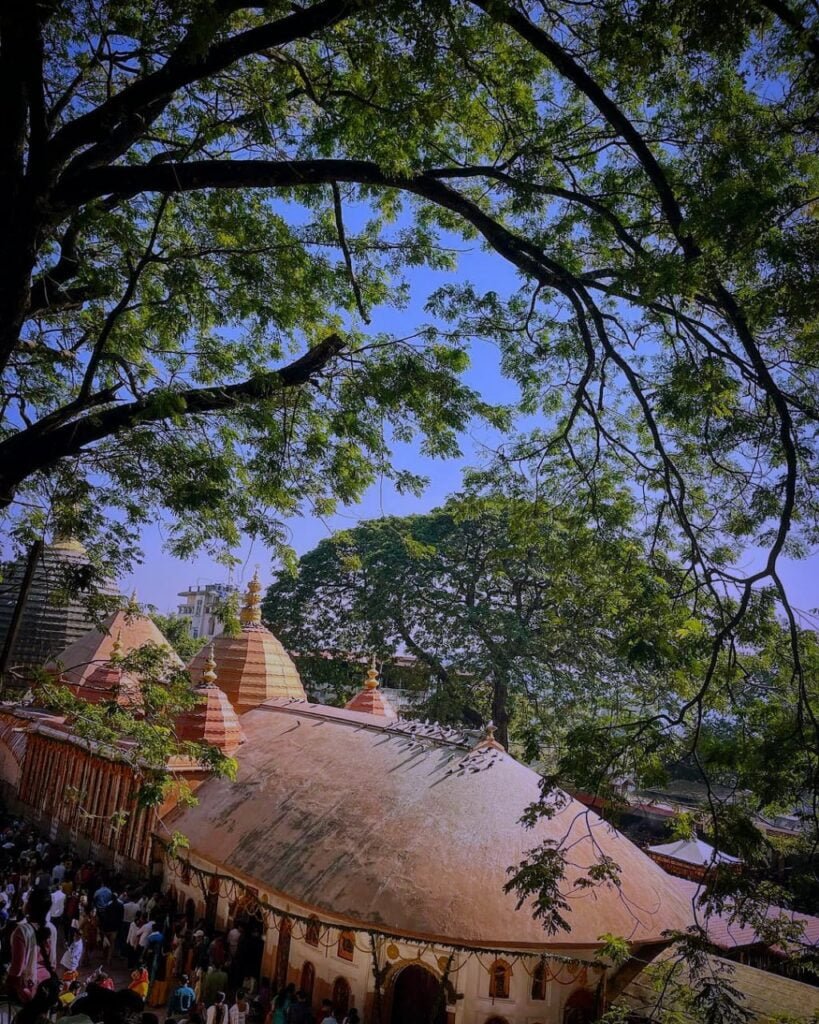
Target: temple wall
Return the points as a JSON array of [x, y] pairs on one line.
[[468, 992], [74, 795]]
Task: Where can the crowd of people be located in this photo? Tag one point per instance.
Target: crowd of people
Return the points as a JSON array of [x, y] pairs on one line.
[[68, 927]]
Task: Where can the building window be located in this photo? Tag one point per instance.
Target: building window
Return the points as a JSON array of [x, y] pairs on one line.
[[500, 975], [312, 933], [307, 980], [283, 952], [341, 997], [346, 946], [539, 982]]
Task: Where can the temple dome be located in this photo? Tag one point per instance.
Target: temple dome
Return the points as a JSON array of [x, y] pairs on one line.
[[403, 828], [370, 700], [213, 720], [95, 649], [253, 666]]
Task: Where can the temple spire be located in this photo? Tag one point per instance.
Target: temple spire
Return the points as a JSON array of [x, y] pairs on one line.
[[371, 682], [369, 698], [251, 613], [488, 741]]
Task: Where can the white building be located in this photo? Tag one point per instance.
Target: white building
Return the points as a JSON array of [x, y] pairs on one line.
[[202, 606]]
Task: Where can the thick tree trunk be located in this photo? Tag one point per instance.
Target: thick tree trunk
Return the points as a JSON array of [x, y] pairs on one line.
[[35, 552], [500, 708]]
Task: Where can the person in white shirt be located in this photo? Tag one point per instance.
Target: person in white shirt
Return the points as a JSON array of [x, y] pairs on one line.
[[239, 1010], [130, 910], [58, 872], [57, 905], [218, 1013], [73, 954], [133, 939]]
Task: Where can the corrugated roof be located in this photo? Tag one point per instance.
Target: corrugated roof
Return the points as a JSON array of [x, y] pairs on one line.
[[729, 935], [693, 851]]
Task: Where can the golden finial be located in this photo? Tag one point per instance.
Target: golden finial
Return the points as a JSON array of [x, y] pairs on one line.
[[371, 682], [116, 650], [251, 613], [209, 675], [132, 608], [488, 739]]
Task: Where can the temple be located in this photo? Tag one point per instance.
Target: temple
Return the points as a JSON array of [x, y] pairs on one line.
[[370, 853]]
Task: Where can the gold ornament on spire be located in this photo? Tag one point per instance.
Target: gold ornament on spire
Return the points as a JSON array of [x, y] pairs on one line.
[[251, 613], [209, 674], [371, 682], [116, 650]]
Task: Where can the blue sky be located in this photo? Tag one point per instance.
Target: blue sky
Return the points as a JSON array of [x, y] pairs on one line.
[[161, 577]]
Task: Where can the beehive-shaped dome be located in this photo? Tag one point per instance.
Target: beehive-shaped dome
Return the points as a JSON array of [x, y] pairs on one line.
[[253, 666], [370, 699], [213, 720]]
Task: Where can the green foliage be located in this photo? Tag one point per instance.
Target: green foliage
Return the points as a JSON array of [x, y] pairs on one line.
[[614, 948], [136, 725], [176, 631], [538, 879], [484, 593], [198, 195]]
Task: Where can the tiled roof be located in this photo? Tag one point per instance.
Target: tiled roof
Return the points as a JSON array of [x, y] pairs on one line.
[[253, 667]]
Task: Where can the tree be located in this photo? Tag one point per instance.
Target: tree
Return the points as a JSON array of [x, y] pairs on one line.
[[176, 631], [138, 724], [511, 601], [194, 192], [185, 352], [175, 175]]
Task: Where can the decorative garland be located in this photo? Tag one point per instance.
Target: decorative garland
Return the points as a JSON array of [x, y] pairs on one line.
[[232, 889]]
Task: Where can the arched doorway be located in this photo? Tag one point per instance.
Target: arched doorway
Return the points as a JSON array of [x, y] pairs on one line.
[[308, 980], [341, 997], [580, 1007], [417, 997]]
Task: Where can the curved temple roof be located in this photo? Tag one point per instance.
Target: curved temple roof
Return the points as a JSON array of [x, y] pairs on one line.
[[348, 814]]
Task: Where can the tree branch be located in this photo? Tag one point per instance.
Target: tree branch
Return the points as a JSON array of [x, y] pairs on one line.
[[582, 80], [110, 128], [348, 258], [31, 450], [199, 174]]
